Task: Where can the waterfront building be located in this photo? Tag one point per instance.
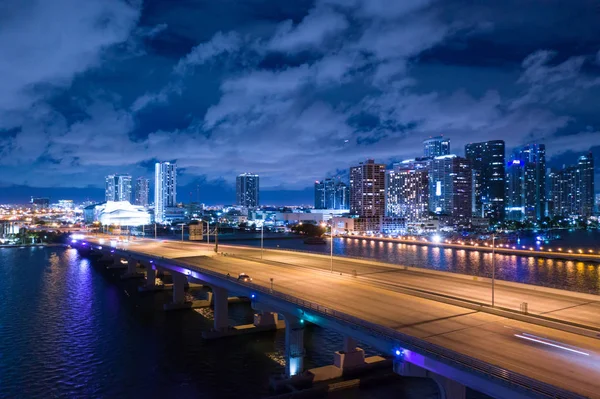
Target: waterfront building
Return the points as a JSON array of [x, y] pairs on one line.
[[118, 188], [165, 189], [331, 194], [571, 189], [142, 191], [407, 191], [116, 213], [247, 190], [489, 175], [450, 188], [367, 189], [436, 146], [526, 183]]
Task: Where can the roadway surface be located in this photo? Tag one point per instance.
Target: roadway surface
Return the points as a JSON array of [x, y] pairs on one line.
[[562, 359]]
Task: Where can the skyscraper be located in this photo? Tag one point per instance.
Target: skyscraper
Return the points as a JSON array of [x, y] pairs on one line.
[[526, 183], [141, 191], [585, 185], [367, 189], [436, 146], [165, 189], [489, 175], [571, 189], [331, 194], [118, 188], [407, 192], [247, 190], [450, 187]]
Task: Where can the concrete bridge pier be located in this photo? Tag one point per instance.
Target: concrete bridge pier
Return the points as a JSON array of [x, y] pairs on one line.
[[179, 283], [132, 265], [116, 262], [294, 345], [351, 356], [220, 298], [449, 389]]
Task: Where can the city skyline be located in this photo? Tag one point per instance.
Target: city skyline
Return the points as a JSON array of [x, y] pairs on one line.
[[294, 97]]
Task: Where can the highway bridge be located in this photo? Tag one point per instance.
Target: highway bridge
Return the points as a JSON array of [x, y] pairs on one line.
[[435, 324]]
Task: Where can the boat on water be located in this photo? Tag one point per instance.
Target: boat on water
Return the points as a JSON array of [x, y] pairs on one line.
[[315, 241]]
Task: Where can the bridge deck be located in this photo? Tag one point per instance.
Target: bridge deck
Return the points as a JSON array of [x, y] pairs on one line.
[[565, 360]]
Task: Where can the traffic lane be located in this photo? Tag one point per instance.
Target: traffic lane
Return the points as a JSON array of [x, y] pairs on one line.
[[496, 344], [539, 302]]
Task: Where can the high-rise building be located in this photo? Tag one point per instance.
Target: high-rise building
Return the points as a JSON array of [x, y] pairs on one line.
[[598, 203], [118, 188], [142, 191], [407, 192], [247, 190], [331, 194], [40, 203], [450, 187], [436, 146], [571, 189], [367, 189], [489, 175], [165, 189], [585, 187], [526, 183]]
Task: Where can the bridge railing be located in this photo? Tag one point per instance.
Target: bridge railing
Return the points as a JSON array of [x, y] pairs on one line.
[[401, 340]]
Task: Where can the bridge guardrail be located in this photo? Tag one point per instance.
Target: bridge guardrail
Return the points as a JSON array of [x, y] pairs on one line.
[[402, 340]]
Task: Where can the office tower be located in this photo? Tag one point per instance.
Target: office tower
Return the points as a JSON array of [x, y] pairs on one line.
[[526, 183], [367, 189], [585, 185], [247, 190], [436, 146], [570, 191], [165, 189], [407, 192], [489, 175], [450, 187], [141, 191], [331, 194], [118, 188]]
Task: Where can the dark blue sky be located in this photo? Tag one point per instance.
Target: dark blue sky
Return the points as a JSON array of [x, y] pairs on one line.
[[292, 90]]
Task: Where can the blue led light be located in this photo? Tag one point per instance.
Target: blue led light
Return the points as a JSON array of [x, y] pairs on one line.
[[252, 296], [398, 352]]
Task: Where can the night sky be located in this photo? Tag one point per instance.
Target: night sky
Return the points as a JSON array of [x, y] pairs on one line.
[[292, 90]]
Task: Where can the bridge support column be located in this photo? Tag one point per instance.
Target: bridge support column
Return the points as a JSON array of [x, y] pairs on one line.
[[449, 389], [150, 275], [132, 266], [179, 282], [294, 346], [221, 302], [351, 356]]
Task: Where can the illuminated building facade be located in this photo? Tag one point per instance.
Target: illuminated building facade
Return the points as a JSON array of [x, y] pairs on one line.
[[247, 190], [142, 191], [407, 192], [526, 183], [165, 189], [118, 188], [331, 194], [489, 175], [436, 146], [450, 187]]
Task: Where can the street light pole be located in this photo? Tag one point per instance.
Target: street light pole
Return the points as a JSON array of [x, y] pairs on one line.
[[331, 243], [155, 230], [182, 228], [217, 236], [493, 268], [207, 232], [262, 228]]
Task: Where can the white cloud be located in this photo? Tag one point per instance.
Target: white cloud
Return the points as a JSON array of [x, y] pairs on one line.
[[220, 43], [320, 24], [44, 46]]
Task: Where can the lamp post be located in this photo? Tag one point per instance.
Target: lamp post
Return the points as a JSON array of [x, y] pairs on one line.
[[217, 234], [331, 244], [262, 228], [208, 232], [155, 228], [493, 268], [182, 229]]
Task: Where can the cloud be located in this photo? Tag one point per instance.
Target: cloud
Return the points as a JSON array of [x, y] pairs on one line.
[[46, 44], [320, 24], [221, 43]]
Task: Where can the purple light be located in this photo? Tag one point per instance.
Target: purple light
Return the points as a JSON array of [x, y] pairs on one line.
[[83, 243], [516, 162], [73, 241]]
